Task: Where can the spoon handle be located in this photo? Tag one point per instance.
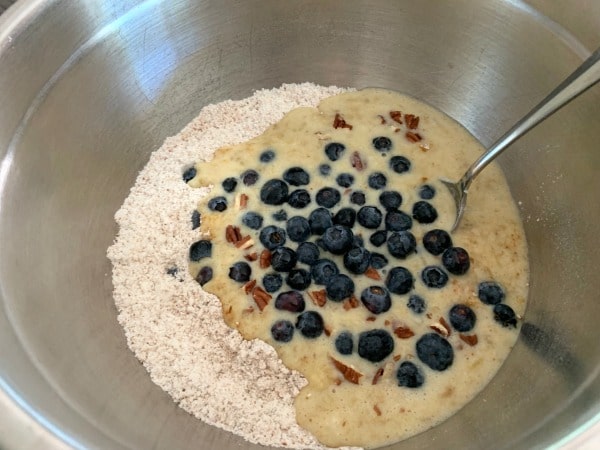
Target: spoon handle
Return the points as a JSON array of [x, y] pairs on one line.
[[584, 77]]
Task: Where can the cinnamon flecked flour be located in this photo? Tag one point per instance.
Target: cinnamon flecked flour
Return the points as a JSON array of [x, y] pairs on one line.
[[298, 266]]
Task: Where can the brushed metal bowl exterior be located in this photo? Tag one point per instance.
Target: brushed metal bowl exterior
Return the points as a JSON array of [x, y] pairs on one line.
[[88, 89]]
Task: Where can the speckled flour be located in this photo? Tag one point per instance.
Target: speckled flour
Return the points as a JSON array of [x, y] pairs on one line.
[[176, 329]]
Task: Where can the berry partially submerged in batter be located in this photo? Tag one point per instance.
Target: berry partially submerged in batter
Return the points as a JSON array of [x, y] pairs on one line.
[[240, 272], [376, 299], [375, 345], [409, 375], [310, 324], [435, 351], [282, 331]]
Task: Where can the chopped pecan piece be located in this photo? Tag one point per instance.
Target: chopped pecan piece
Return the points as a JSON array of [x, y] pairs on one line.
[[245, 242], [377, 375], [327, 330], [351, 303], [349, 373], [403, 332], [265, 259], [397, 358], [382, 119], [377, 410], [261, 297], [232, 234], [446, 325], [319, 298], [248, 310], [371, 319], [412, 121], [251, 256], [249, 286], [339, 122], [357, 161], [413, 137], [243, 201], [372, 273], [396, 116], [470, 339]]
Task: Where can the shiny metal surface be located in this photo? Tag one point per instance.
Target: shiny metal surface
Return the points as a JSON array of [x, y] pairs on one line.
[[90, 88]]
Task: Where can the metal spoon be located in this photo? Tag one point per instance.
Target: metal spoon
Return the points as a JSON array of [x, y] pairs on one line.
[[584, 77]]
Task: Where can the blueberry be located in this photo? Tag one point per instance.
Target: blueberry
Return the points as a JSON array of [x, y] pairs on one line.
[[434, 277], [217, 204], [204, 275], [416, 303], [319, 220], [462, 318], [424, 212], [324, 169], [195, 219], [436, 241], [282, 331], [283, 259], [274, 192], [409, 375], [399, 164], [390, 199], [376, 299], [377, 180], [345, 216], [490, 293], [308, 253], [229, 184], [200, 249], [378, 261], [272, 237], [280, 215], [456, 260], [267, 156], [358, 198], [272, 282], [298, 229], [189, 174], [375, 345], [399, 281], [296, 176], [291, 301], [505, 315], [328, 197], [300, 198], [358, 241], [339, 287], [344, 343], [249, 177], [378, 238], [345, 180], [369, 217], [310, 324], [298, 279], [240, 272], [401, 244], [252, 220], [338, 239], [426, 192], [382, 144], [357, 260], [323, 270], [334, 150], [435, 351], [396, 220]]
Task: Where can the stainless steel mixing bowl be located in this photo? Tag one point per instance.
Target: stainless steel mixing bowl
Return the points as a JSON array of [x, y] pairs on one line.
[[88, 89]]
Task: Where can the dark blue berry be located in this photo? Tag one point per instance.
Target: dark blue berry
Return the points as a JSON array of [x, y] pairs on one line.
[[505, 315], [283, 259], [189, 174], [252, 220], [339, 287], [416, 303], [291, 301], [310, 324], [369, 217], [390, 199], [396, 220], [357, 260], [274, 192], [436, 241], [462, 318], [272, 282], [249, 177], [426, 192], [434, 277], [328, 197], [399, 281], [324, 169], [300, 198], [399, 164], [204, 275], [217, 204], [344, 343], [377, 180], [435, 351], [298, 229], [358, 198], [409, 375], [195, 219], [456, 260], [401, 244], [296, 176], [376, 299], [240, 272], [338, 239], [267, 156], [298, 279], [229, 184], [319, 220], [282, 331], [382, 144], [334, 150], [378, 238], [358, 241], [308, 253], [378, 261], [490, 293], [345, 180], [424, 212], [345, 216], [280, 215], [375, 345], [272, 237], [200, 249], [323, 270]]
